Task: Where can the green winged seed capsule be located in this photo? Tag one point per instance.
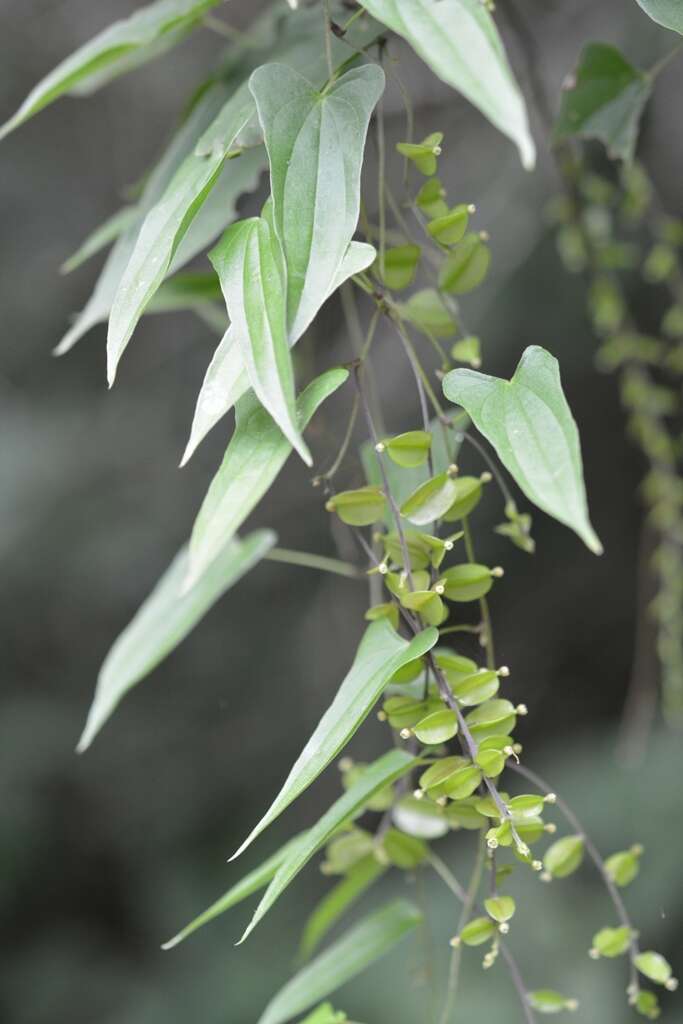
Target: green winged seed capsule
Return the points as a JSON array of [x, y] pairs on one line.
[[466, 266], [654, 966], [361, 507], [468, 350], [647, 1005], [419, 548], [437, 727], [434, 780], [491, 718], [491, 762], [500, 908], [468, 491], [463, 782], [431, 199], [345, 851], [530, 829], [487, 806], [454, 666], [408, 672], [430, 500], [449, 228], [624, 866], [546, 1000], [427, 604], [463, 814], [388, 610], [477, 688], [410, 449], [423, 154], [522, 807], [478, 931], [425, 309], [611, 942], [420, 818], [400, 266], [403, 851], [564, 857], [397, 582], [467, 582], [405, 712]]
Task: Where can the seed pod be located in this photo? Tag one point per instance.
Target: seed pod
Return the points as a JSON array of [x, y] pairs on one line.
[[437, 727], [397, 583], [611, 942], [427, 604], [346, 850], [491, 718], [431, 199], [466, 266], [623, 867], [449, 228], [523, 807], [468, 350], [410, 449], [654, 966], [425, 309], [361, 507], [420, 818], [463, 782], [430, 500], [408, 672], [434, 779], [400, 266], [491, 762], [463, 814], [403, 851], [647, 1005], [405, 712], [468, 491], [467, 582], [477, 688], [478, 931], [421, 548], [423, 154], [564, 857], [388, 610], [454, 666], [546, 1000], [500, 908]]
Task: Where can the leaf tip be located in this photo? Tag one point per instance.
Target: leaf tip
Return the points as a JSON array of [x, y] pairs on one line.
[[171, 943]]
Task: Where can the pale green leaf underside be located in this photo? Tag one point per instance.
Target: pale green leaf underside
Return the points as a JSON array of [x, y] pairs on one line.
[[530, 424], [387, 769], [668, 13], [248, 261], [315, 143], [257, 452], [381, 653], [226, 379], [119, 48], [459, 41], [338, 900], [247, 886], [164, 620], [370, 939]]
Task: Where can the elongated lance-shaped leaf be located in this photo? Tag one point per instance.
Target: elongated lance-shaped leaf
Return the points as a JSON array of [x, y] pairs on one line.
[[387, 769], [101, 237], [247, 886], [163, 230], [124, 45], [164, 620], [381, 653], [668, 13], [370, 939], [255, 455], [249, 263], [226, 379], [529, 423], [338, 900], [315, 142], [459, 41]]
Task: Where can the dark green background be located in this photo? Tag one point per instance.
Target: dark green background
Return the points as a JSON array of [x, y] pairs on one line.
[[105, 856]]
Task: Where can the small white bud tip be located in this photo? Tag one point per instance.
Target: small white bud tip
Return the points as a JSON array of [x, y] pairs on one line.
[[504, 671], [471, 208], [380, 447], [671, 985], [454, 942], [537, 865], [442, 801], [572, 1005], [484, 235], [521, 709], [448, 544], [545, 876], [418, 794], [405, 734], [523, 849], [498, 572], [345, 764], [550, 798], [453, 469], [486, 477], [594, 954], [439, 588], [503, 928], [381, 716], [492, 843], [518, 748], [550, 828], [637, 850], [383, 568]]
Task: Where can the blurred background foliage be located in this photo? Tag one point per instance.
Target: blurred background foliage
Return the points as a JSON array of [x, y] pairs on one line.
[[105, 856]]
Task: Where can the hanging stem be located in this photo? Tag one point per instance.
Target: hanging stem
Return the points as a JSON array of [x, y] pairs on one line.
[[310, 561], [487, 632], [467, 907], [328, 37]]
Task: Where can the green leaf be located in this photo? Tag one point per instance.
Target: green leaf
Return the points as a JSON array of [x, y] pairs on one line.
[[337, 901], [164, 620], [459, 41], [315, 143], [143, 36], [101, 237], [500, 908], [546, 1000], [423, 154], [431, 199], [400, 266], [605, 101], [388, 768], [466, 266], [247, 886], [564, 857], [361, 507], [665, 12], [425, 310], [255, 455], [366, 942], [529, 423], [450, 227], [249, 263], [654, 966], [164, 228], [380, 654]]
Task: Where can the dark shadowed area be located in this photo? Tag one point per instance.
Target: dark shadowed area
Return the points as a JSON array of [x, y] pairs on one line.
[[105, 856]]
